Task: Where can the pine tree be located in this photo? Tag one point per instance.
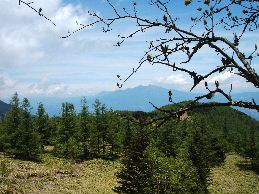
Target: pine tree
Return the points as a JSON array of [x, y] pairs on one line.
[[100, 128], [147, 170], [198, 153], [103, 127], [132, 177], [95, 132], [84, 119], [42, 124], [68, 143], [128, 136], [20, 138], [12, 122], [28, 144]]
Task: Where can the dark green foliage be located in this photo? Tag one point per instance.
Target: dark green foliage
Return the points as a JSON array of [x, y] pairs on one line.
[[171, 174], [100, 128], [198, 152], [133, 176], [42, 124], [128, 136], [68, 135], [2, 131], [147, 170], [175, 158], [19, 138], [84, 121], [28, 140], [11, 125]]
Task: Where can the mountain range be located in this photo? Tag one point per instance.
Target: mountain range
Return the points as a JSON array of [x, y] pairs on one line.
[[136, 99]]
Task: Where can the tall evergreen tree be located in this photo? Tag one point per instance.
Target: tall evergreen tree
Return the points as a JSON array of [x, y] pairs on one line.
[[42, 124], [84, 119], [132, 177], [99, 130], [28, 144], [95, 138], [198, 153], [13, 119], [68, 143], [20, 138]]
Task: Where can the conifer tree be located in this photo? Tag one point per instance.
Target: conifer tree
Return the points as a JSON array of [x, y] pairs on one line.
[[84, 119], [12, 123], [95, 138], [198, 154], [68, 143], [99, 130], [128, 135], [42, 124], [147, 170], [28, 144], [132, 177], [20, 138], [103, 127]]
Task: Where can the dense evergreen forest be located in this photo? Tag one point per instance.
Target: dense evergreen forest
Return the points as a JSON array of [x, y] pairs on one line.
[[175, 157]]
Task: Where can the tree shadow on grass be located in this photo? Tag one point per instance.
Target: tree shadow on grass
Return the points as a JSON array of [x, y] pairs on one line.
[[247, 166]]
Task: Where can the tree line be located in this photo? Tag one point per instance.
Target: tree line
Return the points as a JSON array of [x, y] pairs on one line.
[[82, 135], [175, 157]]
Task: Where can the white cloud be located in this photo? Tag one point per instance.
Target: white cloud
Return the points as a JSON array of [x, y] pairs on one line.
[[47, 87], [221, 78], [27, 38], [183, 82], [6, 81], [35, 61], [178, 81]]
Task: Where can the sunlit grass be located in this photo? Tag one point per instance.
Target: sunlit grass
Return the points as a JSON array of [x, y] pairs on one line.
[[55, 175], [234, 177], [60, 176]]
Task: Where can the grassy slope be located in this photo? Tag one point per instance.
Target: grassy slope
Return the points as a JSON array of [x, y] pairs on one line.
[[55, 175], [60, 176], [234, 177]]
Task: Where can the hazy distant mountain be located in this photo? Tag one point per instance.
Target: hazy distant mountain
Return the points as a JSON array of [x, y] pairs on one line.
[[137, 98], [4, 108]]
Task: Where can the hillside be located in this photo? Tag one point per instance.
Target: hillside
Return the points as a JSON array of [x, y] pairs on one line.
[[4, 107], [227, 128], [97, 176], [216, 131]]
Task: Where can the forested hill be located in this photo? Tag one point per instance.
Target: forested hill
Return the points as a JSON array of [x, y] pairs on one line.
[[225, 117], [189, 147], [235, 130], [4, 107]]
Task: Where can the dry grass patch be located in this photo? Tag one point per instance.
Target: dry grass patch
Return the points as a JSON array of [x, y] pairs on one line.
[[59, 176], [233, 178]]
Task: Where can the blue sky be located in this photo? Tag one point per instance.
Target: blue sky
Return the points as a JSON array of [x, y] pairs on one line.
[[34, 61]]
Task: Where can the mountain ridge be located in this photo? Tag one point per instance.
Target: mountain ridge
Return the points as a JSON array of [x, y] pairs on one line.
[[137, 99], [4, 108]]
